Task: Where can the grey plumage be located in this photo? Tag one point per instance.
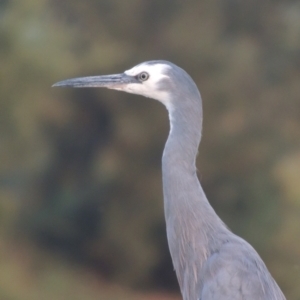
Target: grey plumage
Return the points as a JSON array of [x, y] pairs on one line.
[[210, 261]]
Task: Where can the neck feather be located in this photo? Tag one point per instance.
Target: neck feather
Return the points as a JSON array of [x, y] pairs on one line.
[[191, 221]]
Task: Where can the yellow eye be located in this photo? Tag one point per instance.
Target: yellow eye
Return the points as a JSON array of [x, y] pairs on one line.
[[143, 76]]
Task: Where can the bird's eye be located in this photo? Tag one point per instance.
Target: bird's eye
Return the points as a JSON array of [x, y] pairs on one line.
[[143, 76]]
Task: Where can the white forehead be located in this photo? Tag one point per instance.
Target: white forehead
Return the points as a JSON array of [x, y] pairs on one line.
[[155, 70], [149, 88]]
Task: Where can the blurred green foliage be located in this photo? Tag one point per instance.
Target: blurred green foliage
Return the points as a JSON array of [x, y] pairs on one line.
[[80, 180]]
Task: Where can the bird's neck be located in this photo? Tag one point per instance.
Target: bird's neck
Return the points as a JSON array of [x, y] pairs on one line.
[[190, 219], [185, 133], [183, 194]]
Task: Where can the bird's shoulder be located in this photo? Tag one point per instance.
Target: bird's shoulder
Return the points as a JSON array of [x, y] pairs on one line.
[[236, 271]]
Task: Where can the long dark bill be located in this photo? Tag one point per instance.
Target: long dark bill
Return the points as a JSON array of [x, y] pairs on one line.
[[108, 81]]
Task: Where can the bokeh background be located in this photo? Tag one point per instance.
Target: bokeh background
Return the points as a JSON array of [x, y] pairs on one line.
[[81, 209]]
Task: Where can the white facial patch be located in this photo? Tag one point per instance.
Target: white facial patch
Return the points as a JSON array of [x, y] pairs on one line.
[[150, 87]]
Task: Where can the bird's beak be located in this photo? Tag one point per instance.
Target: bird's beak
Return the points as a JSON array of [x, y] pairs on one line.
[[116, 81]]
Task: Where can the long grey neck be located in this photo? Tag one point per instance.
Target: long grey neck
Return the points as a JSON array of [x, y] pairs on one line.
[[180, 182], [191, 221]]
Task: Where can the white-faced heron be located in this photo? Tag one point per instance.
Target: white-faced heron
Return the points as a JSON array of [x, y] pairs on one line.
[[210, 261]]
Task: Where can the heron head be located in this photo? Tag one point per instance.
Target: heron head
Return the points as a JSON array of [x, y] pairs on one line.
[[150, 79], [160, 80]]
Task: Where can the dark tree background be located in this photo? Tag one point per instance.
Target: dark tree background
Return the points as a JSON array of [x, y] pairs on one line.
[[81, 209]]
